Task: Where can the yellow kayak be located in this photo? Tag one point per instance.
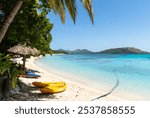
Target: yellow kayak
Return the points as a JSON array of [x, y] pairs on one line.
[[45, 84], [53, 89]]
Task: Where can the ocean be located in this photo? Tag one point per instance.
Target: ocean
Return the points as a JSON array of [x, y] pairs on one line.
[[131, 71]]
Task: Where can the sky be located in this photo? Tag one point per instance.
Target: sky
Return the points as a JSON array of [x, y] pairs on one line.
[[117, 23]]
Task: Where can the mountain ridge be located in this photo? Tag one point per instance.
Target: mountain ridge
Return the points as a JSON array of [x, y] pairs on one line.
[[122, 50]]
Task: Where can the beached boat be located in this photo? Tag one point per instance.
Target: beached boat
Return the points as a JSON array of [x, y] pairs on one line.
[[50, 87], [53, 89], [44, 84]]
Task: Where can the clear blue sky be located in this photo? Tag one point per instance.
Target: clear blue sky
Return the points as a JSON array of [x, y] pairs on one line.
[[118, 23]]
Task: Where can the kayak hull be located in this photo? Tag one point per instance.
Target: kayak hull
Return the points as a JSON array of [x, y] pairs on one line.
[[50, 87], [45, 84]]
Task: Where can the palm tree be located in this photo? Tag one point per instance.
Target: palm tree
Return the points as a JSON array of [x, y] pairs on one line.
[[58, 6]]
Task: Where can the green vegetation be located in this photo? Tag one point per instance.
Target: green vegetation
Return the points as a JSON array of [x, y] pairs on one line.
[[8, 74], [58, 6], [30, 26]]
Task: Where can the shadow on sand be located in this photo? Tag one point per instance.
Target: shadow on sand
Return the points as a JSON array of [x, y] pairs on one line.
[[27, 93]]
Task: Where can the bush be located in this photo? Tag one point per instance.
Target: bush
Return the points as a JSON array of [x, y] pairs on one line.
[[8, 75]]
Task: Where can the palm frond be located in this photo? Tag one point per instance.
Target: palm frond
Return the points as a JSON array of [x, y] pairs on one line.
[[72, 8], [88, 6], [58, 6]]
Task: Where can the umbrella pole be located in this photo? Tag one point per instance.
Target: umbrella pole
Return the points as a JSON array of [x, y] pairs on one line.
[[24, 60]]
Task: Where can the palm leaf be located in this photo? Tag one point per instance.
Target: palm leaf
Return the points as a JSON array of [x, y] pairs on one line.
[[7, 66], [5, 63], [88, 6], [58, 6], [72, 8], [14, 76]]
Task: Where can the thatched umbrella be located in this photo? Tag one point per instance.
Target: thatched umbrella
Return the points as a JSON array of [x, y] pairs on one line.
[[24, 50]]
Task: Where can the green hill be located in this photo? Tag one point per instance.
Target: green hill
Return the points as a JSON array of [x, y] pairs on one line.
[[126, 50]]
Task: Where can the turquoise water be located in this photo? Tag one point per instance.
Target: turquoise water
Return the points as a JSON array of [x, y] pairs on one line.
[[133, 70]]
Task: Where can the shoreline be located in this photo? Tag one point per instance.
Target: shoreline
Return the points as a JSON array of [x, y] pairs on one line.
[[75, 91]]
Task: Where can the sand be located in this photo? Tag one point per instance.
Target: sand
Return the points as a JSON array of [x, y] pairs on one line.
[[75, 91]]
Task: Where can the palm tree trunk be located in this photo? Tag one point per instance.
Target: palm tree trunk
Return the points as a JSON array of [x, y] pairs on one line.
[[10, 18], [24, 62]]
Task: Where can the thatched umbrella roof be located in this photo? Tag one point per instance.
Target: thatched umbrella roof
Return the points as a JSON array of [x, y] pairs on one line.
[[24, 50]]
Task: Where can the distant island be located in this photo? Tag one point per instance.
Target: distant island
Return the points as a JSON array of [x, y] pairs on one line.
[[77, 51], [124, 50]]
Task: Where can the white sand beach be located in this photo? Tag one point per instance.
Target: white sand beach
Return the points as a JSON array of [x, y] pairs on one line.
[[75, 91]]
